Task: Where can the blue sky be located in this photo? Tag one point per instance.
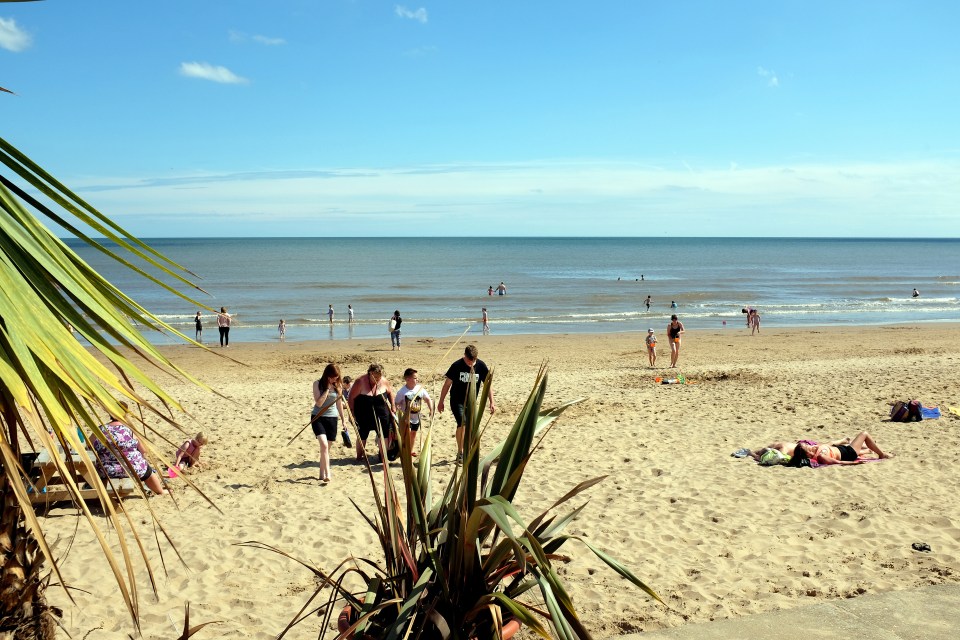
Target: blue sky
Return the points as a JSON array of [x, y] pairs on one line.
[[369, 118]]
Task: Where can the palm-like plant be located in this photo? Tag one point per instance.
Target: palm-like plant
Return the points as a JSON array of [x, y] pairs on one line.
[[458, 567], [50, 383]]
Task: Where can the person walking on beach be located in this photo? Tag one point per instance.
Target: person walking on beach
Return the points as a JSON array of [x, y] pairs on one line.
[[395, 322], [409, 401], [198, 327], [486, 322], [223, 325], [330, 313], [651, 347], [457, 380], [674, 330], [647, 302], [350, 313], [371, 397], [754, 318], [327, 406], [282, 329]]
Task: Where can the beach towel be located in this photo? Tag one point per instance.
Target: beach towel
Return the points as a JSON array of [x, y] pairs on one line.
[[954, 410], [930, 413]]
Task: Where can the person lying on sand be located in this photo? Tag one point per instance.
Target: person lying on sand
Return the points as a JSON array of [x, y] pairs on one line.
[[786, 447], [835, 454]]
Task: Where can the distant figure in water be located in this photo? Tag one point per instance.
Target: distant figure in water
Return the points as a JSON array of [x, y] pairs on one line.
[[641, 277], [282, 328], [490, 291], [647, 302], [486, 322], [502, 289], [916, 294], [673, 304]]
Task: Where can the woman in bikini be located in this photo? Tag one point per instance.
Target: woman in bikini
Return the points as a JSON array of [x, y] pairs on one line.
[[674, 329], [371, 397], [836, 454]]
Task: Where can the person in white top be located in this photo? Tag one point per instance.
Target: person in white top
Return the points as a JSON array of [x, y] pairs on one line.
[[349, 313], [409, 402]]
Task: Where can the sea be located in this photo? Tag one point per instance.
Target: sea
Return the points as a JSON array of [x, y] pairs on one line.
[[553, 285]]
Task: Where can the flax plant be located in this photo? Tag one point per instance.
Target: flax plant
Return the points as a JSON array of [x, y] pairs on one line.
[[460, 564]]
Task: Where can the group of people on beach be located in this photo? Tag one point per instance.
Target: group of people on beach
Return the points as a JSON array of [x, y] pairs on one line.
[[122, 452], [374, 408], [224, 320], [675, 329]]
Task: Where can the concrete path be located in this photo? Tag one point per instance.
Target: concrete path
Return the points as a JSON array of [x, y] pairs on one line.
[[928, 613]]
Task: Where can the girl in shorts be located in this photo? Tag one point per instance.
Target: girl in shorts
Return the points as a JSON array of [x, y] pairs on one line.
[[327, 406]]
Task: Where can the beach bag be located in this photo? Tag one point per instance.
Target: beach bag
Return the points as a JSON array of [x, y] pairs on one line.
[[909, 411], [915, 410], [772, 457], [345, 436], [393, 445]]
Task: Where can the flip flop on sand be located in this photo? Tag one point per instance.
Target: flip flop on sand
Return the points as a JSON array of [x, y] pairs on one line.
[[741, 453]]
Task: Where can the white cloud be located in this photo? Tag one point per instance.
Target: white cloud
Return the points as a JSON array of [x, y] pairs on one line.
[[270, 42], [771, 76], [12, 37], [420, 15], [240, 36], [206, 71]]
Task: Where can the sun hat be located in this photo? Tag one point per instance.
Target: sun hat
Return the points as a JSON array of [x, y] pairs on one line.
[[649, 330]]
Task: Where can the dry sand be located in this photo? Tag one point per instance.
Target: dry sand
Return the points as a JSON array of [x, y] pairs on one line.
[[717, 537]]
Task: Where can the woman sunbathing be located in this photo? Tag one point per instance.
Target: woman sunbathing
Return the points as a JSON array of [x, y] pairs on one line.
[[835, 454], [787, 447]]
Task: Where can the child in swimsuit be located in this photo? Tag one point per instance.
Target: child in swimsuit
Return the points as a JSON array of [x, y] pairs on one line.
[[651, 347], [188, 455]]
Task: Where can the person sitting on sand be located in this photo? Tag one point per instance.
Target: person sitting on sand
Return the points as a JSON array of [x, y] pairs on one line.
[[835, 454], [188, 455], [122, 444]]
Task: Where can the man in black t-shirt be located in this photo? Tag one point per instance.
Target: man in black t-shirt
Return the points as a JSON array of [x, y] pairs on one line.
[[456, 383]]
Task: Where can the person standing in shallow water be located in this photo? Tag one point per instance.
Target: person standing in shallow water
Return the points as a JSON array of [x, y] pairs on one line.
[[223, 325], [486, 322], [198, 326], [674, 330]]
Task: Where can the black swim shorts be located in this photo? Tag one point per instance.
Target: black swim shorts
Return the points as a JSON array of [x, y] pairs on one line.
[[847, 453]]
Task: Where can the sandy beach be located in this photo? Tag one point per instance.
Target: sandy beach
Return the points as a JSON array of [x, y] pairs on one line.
[[717, 537]]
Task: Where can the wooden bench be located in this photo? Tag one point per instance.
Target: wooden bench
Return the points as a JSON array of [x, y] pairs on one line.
[[50, 485]]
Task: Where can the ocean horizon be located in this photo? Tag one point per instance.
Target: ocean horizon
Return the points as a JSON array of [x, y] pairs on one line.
[[553, 285]]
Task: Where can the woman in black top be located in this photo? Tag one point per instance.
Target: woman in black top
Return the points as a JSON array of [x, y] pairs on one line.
[[371, 397], [395, 323], [674, 329]]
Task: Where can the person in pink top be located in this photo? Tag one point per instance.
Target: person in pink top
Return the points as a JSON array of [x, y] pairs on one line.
[[188, 455], [223, 325]]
